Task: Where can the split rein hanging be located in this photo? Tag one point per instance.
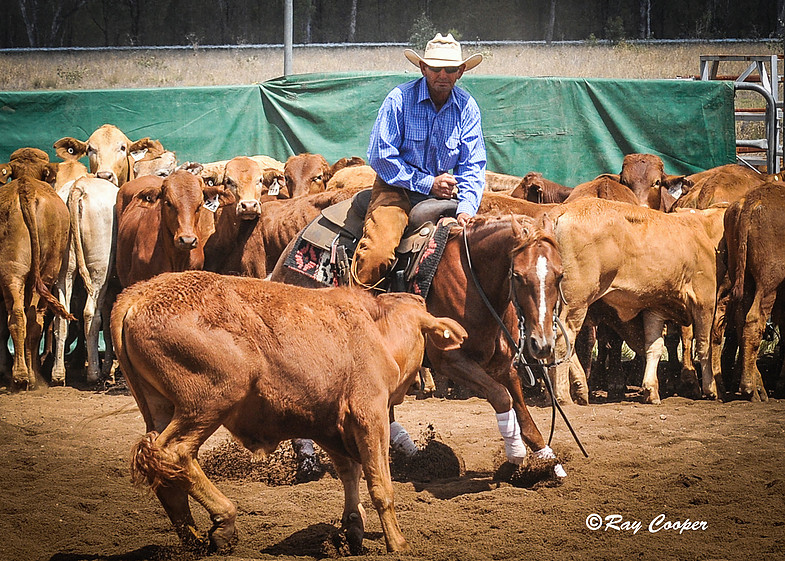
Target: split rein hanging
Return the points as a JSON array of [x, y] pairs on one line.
[[518, 360]]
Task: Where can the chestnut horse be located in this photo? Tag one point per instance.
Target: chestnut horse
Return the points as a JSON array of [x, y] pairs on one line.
[[515, 260]]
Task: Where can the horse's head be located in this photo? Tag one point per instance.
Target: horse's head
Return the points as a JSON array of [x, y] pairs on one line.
[[536, 272]]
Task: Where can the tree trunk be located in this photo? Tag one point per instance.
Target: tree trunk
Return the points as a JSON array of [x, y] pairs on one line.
[[551, 23], [644, 26], [352, 21], [30, 17]]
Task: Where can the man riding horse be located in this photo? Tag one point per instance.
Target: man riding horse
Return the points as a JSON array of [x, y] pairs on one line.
[[424, 129]]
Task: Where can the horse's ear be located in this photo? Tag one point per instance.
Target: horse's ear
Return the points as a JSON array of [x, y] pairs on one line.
[[547, 224], [517, 229]]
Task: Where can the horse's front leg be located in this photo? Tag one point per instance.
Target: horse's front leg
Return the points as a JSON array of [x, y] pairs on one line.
[[468, 373], [529, 432]]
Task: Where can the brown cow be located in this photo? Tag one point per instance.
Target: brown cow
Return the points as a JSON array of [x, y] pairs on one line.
[[306, 174], [535, 188], [32, 245], [162, 224], [32, 163], [269, 362], [639, 261], [723, 184], [644, 175], [110, 152], [603, 187], [756, 273]]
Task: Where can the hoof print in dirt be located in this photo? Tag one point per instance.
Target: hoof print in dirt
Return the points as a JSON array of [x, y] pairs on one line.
[[434, 460], [534, 472]]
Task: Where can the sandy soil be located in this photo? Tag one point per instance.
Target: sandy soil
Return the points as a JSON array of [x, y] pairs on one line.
[[67, 495]]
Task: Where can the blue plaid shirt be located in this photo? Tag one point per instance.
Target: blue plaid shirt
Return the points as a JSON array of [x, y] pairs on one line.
[[411, 143]]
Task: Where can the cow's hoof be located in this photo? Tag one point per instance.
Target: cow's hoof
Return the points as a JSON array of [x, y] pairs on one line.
[[651, 396], [223, 537], [354, 533]]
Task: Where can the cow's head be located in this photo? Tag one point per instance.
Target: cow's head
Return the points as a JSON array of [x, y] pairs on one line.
[[245, 179], [110, 153], [306, 174], [530, 188], [155, 161], [406, 325], [29, 162], [644, 175]]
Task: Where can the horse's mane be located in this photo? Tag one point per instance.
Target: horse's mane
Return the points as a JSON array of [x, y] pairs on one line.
[[532, 230]]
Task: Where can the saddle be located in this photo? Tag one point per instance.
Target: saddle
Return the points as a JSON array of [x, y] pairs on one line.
[[338, 229]]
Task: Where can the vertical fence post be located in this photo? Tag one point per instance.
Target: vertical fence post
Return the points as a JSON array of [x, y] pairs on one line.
[[287, 36]]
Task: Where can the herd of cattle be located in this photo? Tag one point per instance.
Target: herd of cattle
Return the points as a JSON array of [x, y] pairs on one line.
[[137, 214], [643, 252]]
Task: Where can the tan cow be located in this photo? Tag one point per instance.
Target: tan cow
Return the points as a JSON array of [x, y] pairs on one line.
[[644, 175], [111, 154], [32, 244], [638, 260], [231, 249], [723, 184], [269, 362], [91, 202]]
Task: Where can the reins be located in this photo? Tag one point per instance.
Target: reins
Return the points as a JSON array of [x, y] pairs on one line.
[[518, 359]]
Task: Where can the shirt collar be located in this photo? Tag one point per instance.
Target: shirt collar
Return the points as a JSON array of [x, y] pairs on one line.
[[423, 95]]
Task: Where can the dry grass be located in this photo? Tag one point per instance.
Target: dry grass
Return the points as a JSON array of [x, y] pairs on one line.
[[147, 68]]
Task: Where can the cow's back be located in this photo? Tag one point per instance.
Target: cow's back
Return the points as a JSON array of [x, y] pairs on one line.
[[636, 257]]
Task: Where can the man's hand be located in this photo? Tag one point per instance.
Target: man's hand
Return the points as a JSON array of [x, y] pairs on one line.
[[444, 186], [463, 218]]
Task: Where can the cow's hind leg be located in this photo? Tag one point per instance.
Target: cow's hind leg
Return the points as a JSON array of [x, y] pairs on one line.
[[168, 461]]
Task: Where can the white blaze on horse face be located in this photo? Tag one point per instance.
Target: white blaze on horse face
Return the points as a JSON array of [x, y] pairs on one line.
[[542, 272]]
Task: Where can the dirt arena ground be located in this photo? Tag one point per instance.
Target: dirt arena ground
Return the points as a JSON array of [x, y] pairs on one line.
[[715, 468]]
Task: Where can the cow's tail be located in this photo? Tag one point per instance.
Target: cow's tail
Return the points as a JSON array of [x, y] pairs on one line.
[[27, 205], [151, 465], [742, 232], [74, 202]]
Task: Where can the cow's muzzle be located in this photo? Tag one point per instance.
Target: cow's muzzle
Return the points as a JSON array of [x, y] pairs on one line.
[[249, 209]]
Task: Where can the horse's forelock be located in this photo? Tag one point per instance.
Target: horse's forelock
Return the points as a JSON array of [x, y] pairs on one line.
[[531, 232]]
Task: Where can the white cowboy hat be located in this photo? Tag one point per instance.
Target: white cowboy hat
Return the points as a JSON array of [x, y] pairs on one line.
[[443, 51]]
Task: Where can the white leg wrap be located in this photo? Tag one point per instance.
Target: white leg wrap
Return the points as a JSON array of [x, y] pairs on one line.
[[514, 448], [547, 454], [400, 439]]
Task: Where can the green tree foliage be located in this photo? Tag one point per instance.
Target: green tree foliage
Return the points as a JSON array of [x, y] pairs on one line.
[[422, 31]]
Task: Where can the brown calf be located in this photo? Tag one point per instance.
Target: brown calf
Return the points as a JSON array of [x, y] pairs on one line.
[[269, 362], [162, 225]]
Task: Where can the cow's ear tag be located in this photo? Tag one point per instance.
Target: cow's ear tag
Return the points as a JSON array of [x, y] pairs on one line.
[[212, 204], [274, 189], [138, 154]]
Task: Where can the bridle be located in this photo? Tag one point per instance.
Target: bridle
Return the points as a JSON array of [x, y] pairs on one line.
[[519, 361]]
